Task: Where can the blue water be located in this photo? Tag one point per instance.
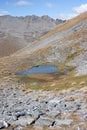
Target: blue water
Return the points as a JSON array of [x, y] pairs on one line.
[[39, 70]]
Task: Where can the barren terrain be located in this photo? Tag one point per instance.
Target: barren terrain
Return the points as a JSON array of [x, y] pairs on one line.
[[55, 101]]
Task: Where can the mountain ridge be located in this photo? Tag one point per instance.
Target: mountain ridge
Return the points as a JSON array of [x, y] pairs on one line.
[[24, 29]]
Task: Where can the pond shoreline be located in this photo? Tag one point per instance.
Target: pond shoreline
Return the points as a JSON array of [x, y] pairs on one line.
[[39, 69]]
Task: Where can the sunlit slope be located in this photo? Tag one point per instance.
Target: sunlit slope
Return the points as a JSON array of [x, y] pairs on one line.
[[66, 29], [66, 45], [9, 44]]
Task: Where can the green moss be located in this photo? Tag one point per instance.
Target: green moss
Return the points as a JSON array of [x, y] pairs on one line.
[[71, 57]]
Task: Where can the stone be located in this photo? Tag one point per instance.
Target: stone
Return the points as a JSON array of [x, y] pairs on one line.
[[73, 51], [53, 113], [63, 122], [54, 101], [18, 114], [24, 121], [82, 83], [14, 118], [3, 124], [18, 128], [44, 121], [49, 110], [85, 117], [73, 83], [34, 113]]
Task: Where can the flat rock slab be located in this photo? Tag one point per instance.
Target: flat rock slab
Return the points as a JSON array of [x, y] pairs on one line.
[[63, 122], [53, 113], [54, 101], [44, 121], [24, 121]]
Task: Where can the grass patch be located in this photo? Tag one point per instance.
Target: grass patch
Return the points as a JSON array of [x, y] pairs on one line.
[[52, 82], [71, 57]]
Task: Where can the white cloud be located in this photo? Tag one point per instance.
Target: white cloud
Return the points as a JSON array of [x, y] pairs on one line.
[[80, 9], [20, 3], [23, 2], [50, 5], [3, 12], [76, 11], [64, 16]]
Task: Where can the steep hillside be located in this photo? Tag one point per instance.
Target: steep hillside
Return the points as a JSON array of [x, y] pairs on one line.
[[10, 44], [21, 31], [66, 44]]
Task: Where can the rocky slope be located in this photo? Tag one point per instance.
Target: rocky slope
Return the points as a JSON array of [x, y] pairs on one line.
[[66, 44], [54, 110], [21, 31], [51, 101]]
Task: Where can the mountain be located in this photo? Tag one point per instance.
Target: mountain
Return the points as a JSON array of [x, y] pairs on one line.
[[17, 32], [65, 45]]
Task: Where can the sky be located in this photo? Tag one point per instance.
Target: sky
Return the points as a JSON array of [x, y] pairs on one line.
[[61, 9]]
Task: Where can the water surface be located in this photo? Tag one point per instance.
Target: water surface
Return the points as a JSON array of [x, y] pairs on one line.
[[39, 70]]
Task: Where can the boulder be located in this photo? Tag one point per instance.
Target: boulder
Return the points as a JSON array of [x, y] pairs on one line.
[[44, 121], [3, 124]]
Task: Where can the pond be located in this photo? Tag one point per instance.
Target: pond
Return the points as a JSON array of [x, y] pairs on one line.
[[39, 70]]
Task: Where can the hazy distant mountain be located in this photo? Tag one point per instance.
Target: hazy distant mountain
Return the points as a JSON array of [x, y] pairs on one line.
[[17, 32]]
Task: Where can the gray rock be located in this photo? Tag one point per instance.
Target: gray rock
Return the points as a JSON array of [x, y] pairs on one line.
[[18, 128], [18, 114], [24, 120], [35, 113], [25, 109], [85, 117], [54, 113], [14, 118], [73, 51], [44, 121], [3, 124], [63, 122]]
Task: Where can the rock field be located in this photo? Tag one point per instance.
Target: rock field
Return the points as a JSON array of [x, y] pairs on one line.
[[63, 110]]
